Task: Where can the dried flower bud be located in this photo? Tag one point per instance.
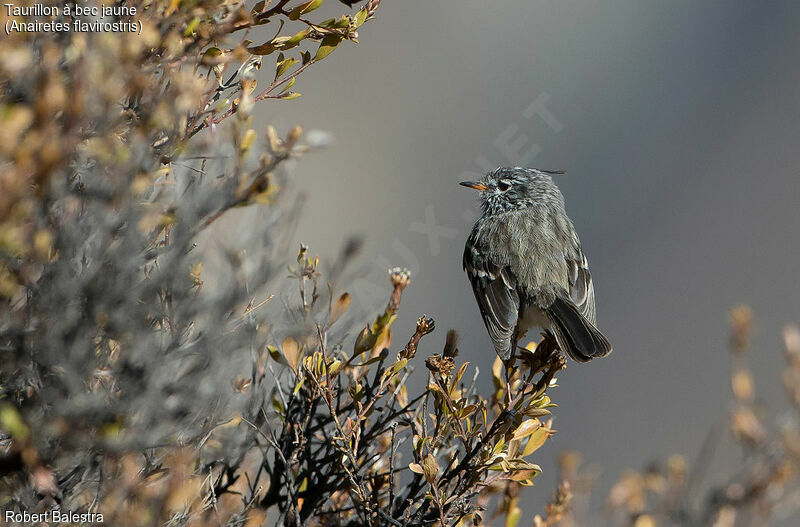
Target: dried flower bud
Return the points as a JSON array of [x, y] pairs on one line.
[[425, 325], [400, 278], [442, 365]]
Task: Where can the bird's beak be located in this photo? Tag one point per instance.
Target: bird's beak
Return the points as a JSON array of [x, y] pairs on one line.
[[476, 186]]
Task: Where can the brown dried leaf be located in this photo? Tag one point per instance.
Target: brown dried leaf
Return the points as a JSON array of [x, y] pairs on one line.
[[339, 308], [291, 351], [430, 468]]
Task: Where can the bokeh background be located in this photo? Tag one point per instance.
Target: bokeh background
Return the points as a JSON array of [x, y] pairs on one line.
[[678, 125]]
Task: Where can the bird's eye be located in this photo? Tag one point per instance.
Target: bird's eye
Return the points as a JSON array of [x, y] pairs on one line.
[[503, 185]]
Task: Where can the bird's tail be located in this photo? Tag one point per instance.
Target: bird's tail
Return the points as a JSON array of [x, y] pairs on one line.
[[575, 335]]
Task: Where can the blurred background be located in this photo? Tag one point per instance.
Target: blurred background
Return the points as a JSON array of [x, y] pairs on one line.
[[677, 123]]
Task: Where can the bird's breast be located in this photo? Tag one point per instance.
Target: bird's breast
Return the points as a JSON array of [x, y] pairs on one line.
[[531, 245]]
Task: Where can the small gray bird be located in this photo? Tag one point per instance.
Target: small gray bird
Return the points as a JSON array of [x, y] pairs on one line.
[[526, 266]]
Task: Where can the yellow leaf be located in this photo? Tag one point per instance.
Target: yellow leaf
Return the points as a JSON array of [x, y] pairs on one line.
[[247, 140], [537, 439], [289, 85], [514, 513], [384, 340], [497, 373], [527, 428], [12, 422]]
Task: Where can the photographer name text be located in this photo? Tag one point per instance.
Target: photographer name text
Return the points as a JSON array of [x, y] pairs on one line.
[[53, 516]]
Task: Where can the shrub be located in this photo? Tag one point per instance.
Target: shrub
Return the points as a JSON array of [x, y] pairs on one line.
[[137, 385]]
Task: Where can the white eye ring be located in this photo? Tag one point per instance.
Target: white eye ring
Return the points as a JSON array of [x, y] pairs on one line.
[[503, 185]]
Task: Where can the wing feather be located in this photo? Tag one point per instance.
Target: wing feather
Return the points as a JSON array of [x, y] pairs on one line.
[[496, 292], [581, 289]]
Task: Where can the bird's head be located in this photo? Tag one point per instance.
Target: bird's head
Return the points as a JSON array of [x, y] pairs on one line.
[[512, 188]]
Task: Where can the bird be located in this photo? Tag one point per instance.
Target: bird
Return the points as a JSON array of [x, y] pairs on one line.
[[526, 266]]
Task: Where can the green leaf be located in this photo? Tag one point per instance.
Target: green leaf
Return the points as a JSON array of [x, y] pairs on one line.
[[209, 55], [341, 23], [275, 354], [298, 37], [283, 65], [191, 27], [314, 4], [365, 341], [304, 8], [278, 406], [361, 17], [327, 46], [397, 366], [12, 422], [514, 514], [285, 88]]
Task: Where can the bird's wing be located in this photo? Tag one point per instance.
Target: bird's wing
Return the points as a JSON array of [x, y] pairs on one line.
[[495, 289], [581, 290]]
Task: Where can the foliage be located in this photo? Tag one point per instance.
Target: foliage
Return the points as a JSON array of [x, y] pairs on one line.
[[124, 106], [154, 378], [136, 383], [344, 418]]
